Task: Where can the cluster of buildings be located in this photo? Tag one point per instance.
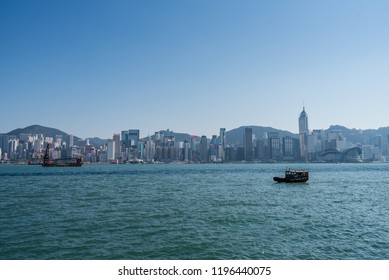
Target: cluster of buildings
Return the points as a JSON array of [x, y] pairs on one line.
[[166, 146], [32, 147]]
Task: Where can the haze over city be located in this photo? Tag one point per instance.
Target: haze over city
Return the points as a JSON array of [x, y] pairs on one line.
[[93, 68]]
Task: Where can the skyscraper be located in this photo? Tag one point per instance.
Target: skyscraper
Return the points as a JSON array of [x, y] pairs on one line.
[[303, 132], [223, 140], [71, 141], [248, 144], [110, 149], [223, 144], [116, 139], [203, 149]]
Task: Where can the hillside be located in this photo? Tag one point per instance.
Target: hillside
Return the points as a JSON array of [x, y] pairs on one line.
[[38, 129], [52, 132], [358, 136]]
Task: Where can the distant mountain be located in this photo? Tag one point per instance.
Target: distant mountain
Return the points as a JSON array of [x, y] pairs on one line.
[[235, 136], [179, 137], [53, 132], [97, 142], [38, 129], [359, 136]]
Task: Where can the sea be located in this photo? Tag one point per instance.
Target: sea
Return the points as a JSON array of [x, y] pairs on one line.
[[194, 212]]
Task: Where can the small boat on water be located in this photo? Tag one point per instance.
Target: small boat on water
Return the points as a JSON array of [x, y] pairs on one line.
[[61, 162], [293, 176], [34, 163]]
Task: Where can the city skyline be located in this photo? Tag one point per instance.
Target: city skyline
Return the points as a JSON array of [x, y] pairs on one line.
[[267, 145], [96, 68]]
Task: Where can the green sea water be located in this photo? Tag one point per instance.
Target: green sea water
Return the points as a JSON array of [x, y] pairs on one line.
[[193, 211]]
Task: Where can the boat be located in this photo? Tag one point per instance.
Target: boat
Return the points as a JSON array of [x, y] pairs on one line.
[[293, 176], [61, 162], [136, 161], [34, 162]]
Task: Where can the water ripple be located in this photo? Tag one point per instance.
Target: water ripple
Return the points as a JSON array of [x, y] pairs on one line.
[[232, 211]]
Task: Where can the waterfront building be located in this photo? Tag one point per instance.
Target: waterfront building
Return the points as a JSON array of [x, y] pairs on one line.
[[371, 153], [130, 140], [316, 144], [275, 146], [195, 147], [336, 140], [102, 156], [248, 144], [186, 151], [13, 144], [140, 150], [223, 138], [354, 154], [303, 134], [71, 141], [377, 141], [58, 139], [149, 150], [263, 148], [203, 149], [213, 149], [288, 148], [169, 139], [116, 140], [223, 144], [90, 152], [48, 140], [110, 150], [4, 139], [38, 145]]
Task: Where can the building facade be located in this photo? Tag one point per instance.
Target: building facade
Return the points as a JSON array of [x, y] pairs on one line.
[[248, 144], [303, 134]]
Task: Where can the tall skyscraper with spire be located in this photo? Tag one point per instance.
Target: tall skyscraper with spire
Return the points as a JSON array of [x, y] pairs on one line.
[[303, 132]]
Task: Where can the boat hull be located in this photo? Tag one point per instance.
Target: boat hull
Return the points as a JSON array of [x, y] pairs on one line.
[[73, 162], [290, 180], [61, 164]]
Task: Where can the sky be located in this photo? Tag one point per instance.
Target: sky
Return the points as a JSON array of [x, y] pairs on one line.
[[95, 68]]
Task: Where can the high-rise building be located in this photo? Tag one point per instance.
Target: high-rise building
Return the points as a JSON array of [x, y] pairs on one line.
[[275, 146], [12, 147], [213, 149], [303, 133], [248, 144], [4, 139], [223, 139], [116, 140], [110, 149], [71, 141], [186, 151], [38, 145], [194, 146], [149, 150], [203, 147], [223, 144], [130, 140], [133, 135], [288, 148]]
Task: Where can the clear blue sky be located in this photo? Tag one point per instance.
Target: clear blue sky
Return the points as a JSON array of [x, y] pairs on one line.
[[93, 68]]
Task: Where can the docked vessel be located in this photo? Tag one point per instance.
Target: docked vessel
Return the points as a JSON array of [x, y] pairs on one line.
[[61, 162], [293, 176]]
